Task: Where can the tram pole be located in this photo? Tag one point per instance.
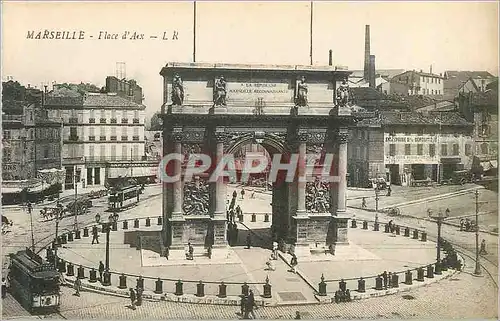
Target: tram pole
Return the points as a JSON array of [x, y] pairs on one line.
[[477, 269], [32, 235]]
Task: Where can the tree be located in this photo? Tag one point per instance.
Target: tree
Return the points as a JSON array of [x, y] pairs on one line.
[[12, 91], [155, 122], [81, 88]]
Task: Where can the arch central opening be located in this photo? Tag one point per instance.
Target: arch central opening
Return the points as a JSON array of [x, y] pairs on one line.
[[257, 204]]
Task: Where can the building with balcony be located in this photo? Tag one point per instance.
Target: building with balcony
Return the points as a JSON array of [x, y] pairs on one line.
[[103, 134], [406, 146]]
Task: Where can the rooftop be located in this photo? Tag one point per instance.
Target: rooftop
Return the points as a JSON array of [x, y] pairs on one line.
[[454, 79], [416, 118], [69, 98]]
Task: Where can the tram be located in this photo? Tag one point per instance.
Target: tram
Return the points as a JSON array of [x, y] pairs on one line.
[[122, 198], [33, 282]]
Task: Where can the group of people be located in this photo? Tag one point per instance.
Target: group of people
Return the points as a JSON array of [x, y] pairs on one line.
[[467, 225], [247, 305], [135, 296], [342, 296], [387, 279]]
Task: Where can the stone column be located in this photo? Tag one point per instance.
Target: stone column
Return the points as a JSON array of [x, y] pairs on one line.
[[219, 217], [342, 216], [176, 221], [342, 170], [301, 177], [177, 185]]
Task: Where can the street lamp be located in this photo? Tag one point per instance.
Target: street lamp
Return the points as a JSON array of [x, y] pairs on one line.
[[477, 270], [377, 194], [106, 227], [439, 220], [75, 209]]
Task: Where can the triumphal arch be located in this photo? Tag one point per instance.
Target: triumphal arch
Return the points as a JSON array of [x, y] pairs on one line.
[[215, 108]]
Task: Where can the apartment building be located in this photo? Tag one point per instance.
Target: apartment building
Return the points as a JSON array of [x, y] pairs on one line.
[[417, 83]]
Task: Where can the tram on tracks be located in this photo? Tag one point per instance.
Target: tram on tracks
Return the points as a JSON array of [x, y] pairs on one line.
[[35, 283], [122, 198]]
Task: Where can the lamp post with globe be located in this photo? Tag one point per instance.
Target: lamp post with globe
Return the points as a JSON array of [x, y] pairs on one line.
[[106, 227]]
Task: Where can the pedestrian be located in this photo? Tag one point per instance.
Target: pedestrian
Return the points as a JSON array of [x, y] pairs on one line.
[[101, 270], [235, 194], [95, 236], [251, 304], [390, 279], [293, 263], [138, 292], [363, 202], [77, 286], [275, 250], [297, 315], [4, 288], [483, 247], [243, 305], [467, 225], [242, 193], [190, 251], [462, 223], [384, 277], [132, 298], [30, 208], [270, 264], [249, 240], [389, 190]]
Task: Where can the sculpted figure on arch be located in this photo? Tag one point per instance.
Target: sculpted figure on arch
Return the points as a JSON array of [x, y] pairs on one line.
[[301, 92], [177, 91], [343, 94], [220, 91]]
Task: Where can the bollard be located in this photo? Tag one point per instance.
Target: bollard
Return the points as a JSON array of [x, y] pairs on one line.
[[407, 232], [222, 290], [444, 265], [267, 289], [70, 237], [365, 225], [395, 280], [78, 235], [361, 285], [62, 266], [93, 276], [140, 283], [106, 278], [437, 269], [266, 217], [178, 288], [322, 286], [114, 226], [123, 281], [415, 234], [375, 227], [386, 228], [64, 239], [398, 230], [160, 220], [71, 270], [159, 286], [424, 237], [353, 223], [200, 289], [81, 272], [378, 283], [148, 222], [342, 285], [430, 271], [125, 225], [240, 218], [420, 274], [136, 223], [85, 232], [254, 217], [408, 278], [244, 289]]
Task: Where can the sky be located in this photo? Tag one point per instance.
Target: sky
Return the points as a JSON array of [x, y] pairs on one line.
[[404, 35]]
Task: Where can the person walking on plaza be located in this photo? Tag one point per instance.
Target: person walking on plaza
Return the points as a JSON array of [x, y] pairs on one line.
[[101, 270], [77, 286], [243, 306], [242, 193], [363, 202], [384, 277], [297, 315], [249, 241], [275, 250], [4, 288], [270, 264], [250, 305], [462, 224], [132, 298], [483, 247], [95, 236], [293, 263], [389, 190]]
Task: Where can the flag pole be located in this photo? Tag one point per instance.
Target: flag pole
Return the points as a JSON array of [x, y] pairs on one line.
[[194, 31], [311, 36]]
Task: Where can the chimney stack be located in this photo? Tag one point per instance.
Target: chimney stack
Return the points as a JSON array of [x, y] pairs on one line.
[[366, 71], [330, 57], [372, 71], [430, 70]]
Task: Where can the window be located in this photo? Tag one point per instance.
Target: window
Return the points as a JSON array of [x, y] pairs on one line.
[[73, 133], [102, 151], [7, 154], [432, 91], [6, 134], [420, 149], [484, 148], [113, 131], [136, 114], [407, 149], [113, 113], [124, 151], [360, 134], [432, 150], [91, 133], [46, 152], [392, 150], [358, 152], [456, 149], [468, 149], [102, 133], [91, 151], [113, 152], [136, 151], [444, 150]]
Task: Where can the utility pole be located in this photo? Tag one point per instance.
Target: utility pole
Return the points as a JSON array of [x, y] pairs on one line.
[[75, 208], [194, 31], [439, 220], [32, 235], [477, 270], [311, 36]]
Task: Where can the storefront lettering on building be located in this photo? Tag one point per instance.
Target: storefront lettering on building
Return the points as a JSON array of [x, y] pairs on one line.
[[426, 139], [411, 159]]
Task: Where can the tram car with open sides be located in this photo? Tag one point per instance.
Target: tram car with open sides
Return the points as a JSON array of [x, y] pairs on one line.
[[35, 283], [122, 198]]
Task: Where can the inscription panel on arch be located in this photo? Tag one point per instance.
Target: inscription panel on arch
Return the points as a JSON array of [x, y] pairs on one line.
[[263, 91]]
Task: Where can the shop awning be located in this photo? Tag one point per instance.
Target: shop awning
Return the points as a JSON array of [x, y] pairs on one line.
[[52, 176], [133, 172]]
